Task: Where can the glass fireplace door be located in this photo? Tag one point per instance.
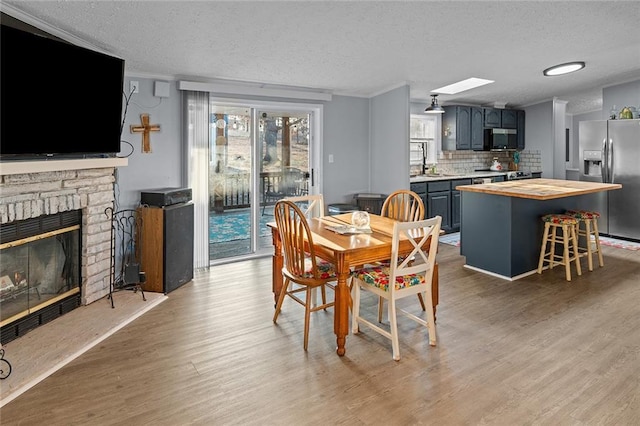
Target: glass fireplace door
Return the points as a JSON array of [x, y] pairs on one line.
[[36, 271]]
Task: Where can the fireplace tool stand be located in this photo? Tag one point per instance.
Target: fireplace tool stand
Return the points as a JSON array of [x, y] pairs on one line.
[[5, 366], [125, 225]]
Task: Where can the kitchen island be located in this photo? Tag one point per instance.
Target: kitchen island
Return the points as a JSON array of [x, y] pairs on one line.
[[501, 230]]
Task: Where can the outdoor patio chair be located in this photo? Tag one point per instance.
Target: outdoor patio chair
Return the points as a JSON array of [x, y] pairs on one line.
[[290, 184]]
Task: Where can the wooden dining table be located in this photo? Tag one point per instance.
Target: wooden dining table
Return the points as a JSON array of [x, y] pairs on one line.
[[346, 251]]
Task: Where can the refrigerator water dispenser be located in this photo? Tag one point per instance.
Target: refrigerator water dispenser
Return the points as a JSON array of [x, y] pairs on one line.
[[592, 163]]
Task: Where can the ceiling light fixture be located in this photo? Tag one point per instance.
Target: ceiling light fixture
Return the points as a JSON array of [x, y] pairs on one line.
[[461, 86], [434, 108], [563, 68]]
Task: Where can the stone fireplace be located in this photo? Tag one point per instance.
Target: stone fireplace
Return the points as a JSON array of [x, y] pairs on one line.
[[66, 189]]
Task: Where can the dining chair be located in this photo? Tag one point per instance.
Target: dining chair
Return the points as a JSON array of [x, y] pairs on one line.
[[403, 205], [402, 278], [311, 205], [406, 206], [302, 271]]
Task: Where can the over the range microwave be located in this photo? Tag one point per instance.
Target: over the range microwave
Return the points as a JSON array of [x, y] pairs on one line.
[[500, 139]]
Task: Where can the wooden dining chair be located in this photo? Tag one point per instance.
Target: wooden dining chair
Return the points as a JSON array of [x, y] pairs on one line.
[[402, 278], [311, 206], [406, 206], [302, 271], [403, 205]]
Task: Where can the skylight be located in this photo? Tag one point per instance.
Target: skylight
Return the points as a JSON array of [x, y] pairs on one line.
[[461, 86]]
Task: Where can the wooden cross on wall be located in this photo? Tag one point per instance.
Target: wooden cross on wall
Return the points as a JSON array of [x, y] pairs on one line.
[[145, 128]]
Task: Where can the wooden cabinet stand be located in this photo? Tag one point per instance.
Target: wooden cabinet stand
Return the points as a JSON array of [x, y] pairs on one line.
[[165, 246]]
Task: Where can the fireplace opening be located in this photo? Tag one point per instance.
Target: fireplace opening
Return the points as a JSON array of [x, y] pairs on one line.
[[39, 271]]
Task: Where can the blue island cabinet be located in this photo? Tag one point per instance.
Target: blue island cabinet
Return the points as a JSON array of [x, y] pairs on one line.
[[501, 231]]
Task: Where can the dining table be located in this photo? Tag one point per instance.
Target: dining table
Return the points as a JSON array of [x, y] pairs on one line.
[[346, 251]]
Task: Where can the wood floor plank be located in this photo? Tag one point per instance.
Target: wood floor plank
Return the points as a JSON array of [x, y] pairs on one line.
[[538, 351]]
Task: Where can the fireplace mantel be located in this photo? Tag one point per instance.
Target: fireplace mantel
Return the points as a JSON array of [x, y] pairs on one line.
[[19, 167]]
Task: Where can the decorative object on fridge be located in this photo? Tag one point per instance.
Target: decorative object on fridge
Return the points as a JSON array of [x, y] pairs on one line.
[[626, 114]]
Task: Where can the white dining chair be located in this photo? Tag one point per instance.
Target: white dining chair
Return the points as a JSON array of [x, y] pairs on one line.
[[405, 276]]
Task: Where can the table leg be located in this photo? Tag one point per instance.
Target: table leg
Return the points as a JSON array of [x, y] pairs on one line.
[[277, 263], [341, 308]]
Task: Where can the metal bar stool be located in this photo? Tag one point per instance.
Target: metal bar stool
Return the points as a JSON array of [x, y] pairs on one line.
[[568, 238], [590, 233]]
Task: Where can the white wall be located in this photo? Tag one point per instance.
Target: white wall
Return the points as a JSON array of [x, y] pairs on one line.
[[346, 137], [621, 95], [559, 138], [162, 167], [389, 127], [538, 134]]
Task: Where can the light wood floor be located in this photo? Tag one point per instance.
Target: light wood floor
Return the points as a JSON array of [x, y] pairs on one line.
[[537, 351]]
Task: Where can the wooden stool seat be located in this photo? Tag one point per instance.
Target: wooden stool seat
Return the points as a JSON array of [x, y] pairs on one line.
[[568, 238], [590, 234]]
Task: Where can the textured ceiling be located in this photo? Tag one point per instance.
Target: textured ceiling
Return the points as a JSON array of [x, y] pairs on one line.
[[362, 48]]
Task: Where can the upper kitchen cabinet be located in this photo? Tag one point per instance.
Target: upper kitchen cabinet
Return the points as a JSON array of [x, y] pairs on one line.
[[509, 119], [477, 129], [492, 117], [462, 128], [500, 118]]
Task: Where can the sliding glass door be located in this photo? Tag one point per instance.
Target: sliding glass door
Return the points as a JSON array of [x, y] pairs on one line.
[[258, 154]]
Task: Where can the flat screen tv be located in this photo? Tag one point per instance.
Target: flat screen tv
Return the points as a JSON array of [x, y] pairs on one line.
[[58, 99]]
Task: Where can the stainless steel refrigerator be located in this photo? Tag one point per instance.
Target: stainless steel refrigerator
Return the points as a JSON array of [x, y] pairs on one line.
[[610, 153]]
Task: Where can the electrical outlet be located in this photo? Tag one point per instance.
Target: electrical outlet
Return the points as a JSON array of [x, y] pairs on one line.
[[133, 87]]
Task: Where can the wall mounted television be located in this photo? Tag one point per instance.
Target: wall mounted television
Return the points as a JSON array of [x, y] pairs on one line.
[[59, 100]]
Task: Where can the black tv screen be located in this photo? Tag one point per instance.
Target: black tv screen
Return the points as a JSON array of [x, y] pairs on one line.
[[58, 99]]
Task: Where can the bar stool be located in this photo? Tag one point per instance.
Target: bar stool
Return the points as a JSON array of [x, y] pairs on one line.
[[590, 220], [552, 224]]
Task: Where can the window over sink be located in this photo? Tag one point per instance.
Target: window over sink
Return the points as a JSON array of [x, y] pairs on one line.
[[424, 140]]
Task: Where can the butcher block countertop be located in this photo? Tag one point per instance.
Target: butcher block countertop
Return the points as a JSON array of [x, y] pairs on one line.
[[540, 189]]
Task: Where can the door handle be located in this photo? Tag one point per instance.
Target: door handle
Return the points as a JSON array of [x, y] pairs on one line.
[[604, 164], [610, 161]]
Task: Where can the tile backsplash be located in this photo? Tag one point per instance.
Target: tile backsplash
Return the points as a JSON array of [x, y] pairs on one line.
[[469, 161]]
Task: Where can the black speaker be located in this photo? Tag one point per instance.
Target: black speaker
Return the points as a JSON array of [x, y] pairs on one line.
[[178, 245]]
